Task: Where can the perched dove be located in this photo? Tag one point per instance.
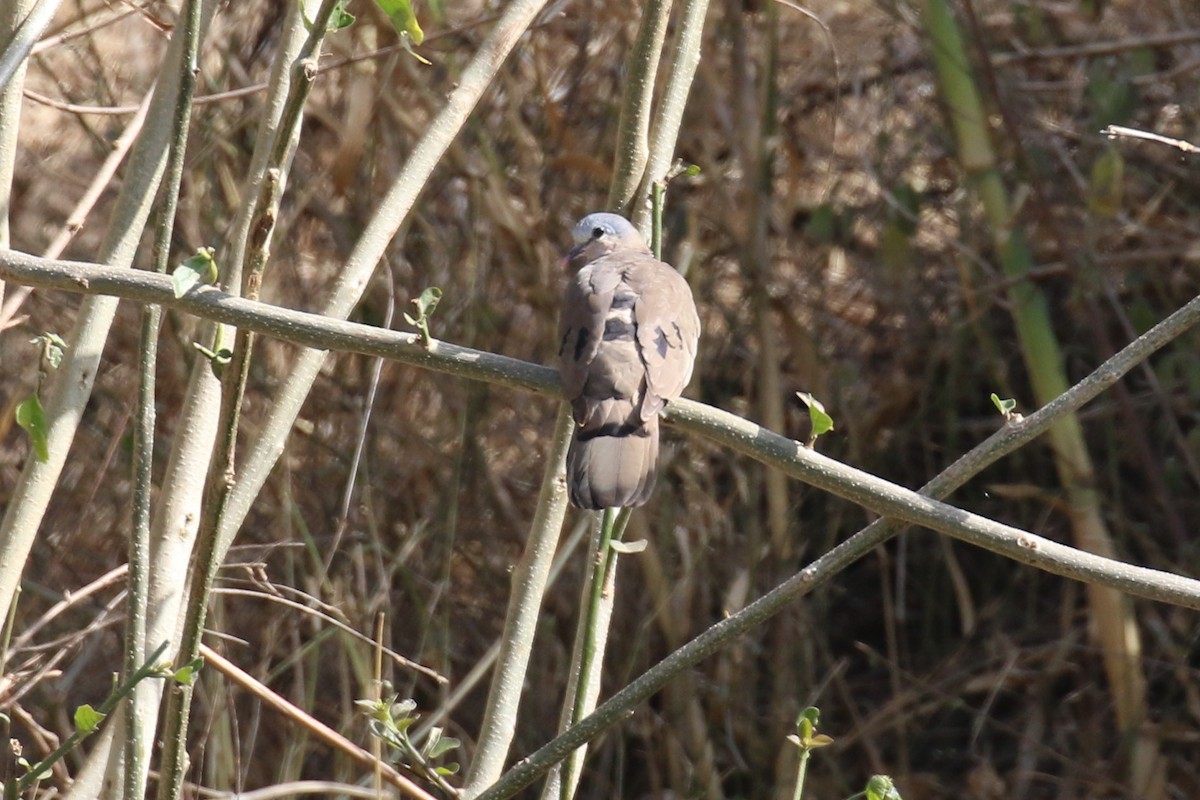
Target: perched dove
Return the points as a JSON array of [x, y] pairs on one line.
[[628, 340]]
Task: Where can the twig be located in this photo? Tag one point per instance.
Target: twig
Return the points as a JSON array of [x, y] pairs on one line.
[[633, 134], [1114, 131], [138, 592], [315, 331], [110, 703], [669, 116], [392, 210], [17, 49], [594, 626], [529, 582], [407, 663], [1092, 49], [309, 722], [211, 545], [363, 425]]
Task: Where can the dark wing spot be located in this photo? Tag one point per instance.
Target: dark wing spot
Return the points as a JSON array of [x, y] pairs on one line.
[[660, 342], [611, 429], [581, 343], [623, 300], [616, 328]]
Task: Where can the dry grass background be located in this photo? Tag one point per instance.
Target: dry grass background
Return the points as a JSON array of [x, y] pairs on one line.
[[957, 672]]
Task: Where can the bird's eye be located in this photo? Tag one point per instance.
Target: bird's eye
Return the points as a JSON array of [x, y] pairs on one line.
[[597, 233]]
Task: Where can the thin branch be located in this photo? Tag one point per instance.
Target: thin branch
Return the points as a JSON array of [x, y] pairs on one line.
[[310, 723], [1113, 131], [364, 425], [1093, 49], [685, 60], [137, 725], [146, 670], [529, 581], [906, 506], [392, 210], [328, 619], [874, 493], [210, 549], [72, 384], [633, 135], [16, 50]]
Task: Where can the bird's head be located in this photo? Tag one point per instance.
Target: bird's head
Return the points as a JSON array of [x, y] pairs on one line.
[[599, 234]]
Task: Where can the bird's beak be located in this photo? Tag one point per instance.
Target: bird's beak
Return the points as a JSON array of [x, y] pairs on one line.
[[573, 254]]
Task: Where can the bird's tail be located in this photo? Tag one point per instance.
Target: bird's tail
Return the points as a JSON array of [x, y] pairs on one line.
[[613, 466]]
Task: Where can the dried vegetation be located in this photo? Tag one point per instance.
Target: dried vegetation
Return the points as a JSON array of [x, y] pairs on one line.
[[957, 672]]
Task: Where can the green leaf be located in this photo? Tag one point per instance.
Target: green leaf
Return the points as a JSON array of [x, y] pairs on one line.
[[680, 167], [449, 769], [219, 358], [341, 18], [425, 304], [442, 746], [87, 719], [382, 731], [1005, 407], [186, 675], [820, 740], [822, 423], [804, 729], [403, 708], [403, 18], [199, 268], [880, 787], [628, 548], [52, 347], [32, 418], [428, 301]]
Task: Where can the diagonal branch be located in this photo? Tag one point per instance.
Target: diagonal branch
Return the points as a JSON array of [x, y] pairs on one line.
[[790, 456]]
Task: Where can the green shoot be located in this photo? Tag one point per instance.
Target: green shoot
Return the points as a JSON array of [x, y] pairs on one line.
[[821, 422], [1005, 407], [425, 304], [199, 269], [389, 720], [806, 739]]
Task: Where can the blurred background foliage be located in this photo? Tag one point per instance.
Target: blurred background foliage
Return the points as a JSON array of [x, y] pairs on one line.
[[830, 230]]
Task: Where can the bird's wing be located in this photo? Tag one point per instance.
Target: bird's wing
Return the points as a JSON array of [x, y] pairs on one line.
[[581, 323], [668, 329]]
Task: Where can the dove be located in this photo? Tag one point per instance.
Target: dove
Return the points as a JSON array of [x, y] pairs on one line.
[[628, 333]]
